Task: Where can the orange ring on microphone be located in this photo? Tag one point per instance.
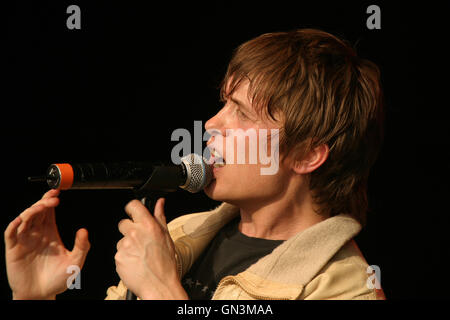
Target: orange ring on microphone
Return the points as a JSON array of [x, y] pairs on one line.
[[66, 173]]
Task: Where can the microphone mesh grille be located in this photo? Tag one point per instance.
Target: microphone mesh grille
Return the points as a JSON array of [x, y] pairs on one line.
[[198, 172]]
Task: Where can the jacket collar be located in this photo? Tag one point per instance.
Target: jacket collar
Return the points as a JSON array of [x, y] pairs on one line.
[[292, 264], [300, 258]]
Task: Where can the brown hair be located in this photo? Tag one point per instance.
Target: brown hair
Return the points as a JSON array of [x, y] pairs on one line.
[[325, 94]]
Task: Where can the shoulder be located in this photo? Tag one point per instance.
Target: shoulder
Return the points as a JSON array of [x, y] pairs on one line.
[[181, 220], [221, 209], [201, 222], [345, 277]]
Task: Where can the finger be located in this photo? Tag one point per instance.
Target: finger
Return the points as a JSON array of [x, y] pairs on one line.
[[159, 212], [28, 215], [51, 194], [50, 202], [137, 211], [125, 225], [11, 233], [81, 246], [38, 208], [47, 216]]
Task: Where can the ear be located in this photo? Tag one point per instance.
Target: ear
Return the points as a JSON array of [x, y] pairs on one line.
[[313, 159]]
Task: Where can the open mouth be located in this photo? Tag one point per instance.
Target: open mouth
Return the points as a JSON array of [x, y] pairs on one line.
[[216, 160]]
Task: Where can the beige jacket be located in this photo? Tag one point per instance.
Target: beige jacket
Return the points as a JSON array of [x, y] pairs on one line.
[[321, 262]]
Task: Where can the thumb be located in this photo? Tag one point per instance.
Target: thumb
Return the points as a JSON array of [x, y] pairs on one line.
[[159, 212], [81, 246]]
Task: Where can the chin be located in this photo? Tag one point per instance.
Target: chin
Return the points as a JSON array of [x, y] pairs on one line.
[[215, 193], [212, 192]]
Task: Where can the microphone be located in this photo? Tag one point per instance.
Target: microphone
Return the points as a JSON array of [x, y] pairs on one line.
[[147, 180], [192, 174]]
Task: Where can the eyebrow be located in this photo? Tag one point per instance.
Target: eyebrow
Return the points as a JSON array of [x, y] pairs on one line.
[[240, 104]]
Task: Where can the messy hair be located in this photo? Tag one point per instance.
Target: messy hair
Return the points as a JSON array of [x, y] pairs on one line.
[[324, 94]]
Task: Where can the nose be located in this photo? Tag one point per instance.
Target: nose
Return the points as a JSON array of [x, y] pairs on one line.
[[216, 125]]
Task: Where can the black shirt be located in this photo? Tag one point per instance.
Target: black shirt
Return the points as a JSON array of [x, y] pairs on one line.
[[229, 253]]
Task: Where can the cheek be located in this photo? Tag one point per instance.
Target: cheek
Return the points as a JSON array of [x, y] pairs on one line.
[[248, 182], [242, 148], [247, 177], [261, 148]]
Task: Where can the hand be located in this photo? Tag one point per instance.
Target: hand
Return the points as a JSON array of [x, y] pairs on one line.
[[36, 259], [145, 258]]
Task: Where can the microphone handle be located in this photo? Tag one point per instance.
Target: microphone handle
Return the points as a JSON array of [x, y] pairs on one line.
[[149, 202]]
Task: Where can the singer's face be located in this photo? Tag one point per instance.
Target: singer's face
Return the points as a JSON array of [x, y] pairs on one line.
[[257, 175]]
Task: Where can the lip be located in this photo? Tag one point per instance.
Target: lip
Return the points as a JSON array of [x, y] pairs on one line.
[[215, 170], [215, 154], [212, 159]]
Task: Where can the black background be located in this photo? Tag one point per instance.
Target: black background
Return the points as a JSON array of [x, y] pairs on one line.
[[117, 88]]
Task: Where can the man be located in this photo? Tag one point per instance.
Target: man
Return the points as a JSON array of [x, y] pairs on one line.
[[283, 235]]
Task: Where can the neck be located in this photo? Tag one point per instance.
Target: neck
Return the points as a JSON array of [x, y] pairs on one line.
[[280, 219]]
